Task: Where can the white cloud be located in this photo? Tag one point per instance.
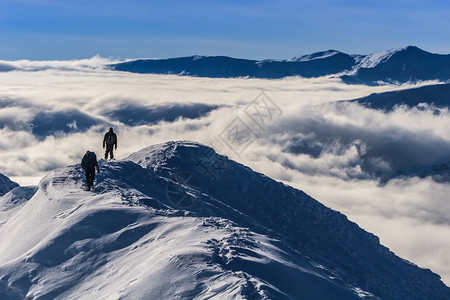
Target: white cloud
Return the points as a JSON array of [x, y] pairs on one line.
[[333, 152], [91, 64]]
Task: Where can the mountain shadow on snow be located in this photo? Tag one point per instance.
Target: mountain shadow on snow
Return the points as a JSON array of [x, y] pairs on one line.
[[179, 220]]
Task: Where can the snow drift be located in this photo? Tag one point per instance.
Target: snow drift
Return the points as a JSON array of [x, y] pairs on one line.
[[177, 220]]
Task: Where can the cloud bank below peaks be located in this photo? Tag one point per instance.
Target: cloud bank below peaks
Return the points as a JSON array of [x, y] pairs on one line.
[[336, 152], [95, 63]]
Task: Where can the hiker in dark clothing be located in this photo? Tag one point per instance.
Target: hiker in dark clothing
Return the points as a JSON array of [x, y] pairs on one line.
[[88, 163], [110, 142]]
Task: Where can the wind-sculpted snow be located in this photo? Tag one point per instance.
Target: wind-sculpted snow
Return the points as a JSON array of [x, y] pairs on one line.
[[262, 204], [126, 240], [243, 235]]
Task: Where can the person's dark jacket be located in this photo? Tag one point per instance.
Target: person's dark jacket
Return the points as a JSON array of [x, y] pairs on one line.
[[110, 139]]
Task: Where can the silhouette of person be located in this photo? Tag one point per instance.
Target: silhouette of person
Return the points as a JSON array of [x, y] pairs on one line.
[[89, 163], [110, 142]]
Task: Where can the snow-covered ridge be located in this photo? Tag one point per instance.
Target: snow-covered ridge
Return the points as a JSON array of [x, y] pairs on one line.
[[179, 220], [372, 60], [313, 56]]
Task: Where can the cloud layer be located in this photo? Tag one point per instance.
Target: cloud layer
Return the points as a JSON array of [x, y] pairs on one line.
[[52, 112]]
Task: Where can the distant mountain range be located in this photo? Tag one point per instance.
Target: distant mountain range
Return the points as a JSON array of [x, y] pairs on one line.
[[409, 64], [436, 94]]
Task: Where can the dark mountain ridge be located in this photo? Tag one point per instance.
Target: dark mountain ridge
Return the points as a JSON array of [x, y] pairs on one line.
[[397, 66]]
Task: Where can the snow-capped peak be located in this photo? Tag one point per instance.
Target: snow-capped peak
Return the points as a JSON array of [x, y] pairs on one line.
[[314, 56], [157, 156], [372, 60]]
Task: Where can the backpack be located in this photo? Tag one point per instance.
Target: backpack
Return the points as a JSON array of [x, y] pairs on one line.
[[110, 139], [89, 161]]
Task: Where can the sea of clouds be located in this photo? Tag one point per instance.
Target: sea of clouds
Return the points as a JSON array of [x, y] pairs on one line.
[[291, 129]]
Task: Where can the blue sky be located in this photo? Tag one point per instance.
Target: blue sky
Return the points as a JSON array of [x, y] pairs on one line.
[[58, 29]]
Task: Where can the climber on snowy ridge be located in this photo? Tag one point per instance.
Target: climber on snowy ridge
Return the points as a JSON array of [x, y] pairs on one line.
[[110, 142], [89, 163]]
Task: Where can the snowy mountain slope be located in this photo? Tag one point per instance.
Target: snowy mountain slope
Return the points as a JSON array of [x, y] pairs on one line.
[[226, 67], [316, 55], [409, 64], [372, 60], [177, 220], [107, 246], [14, 199], [6, 184]]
